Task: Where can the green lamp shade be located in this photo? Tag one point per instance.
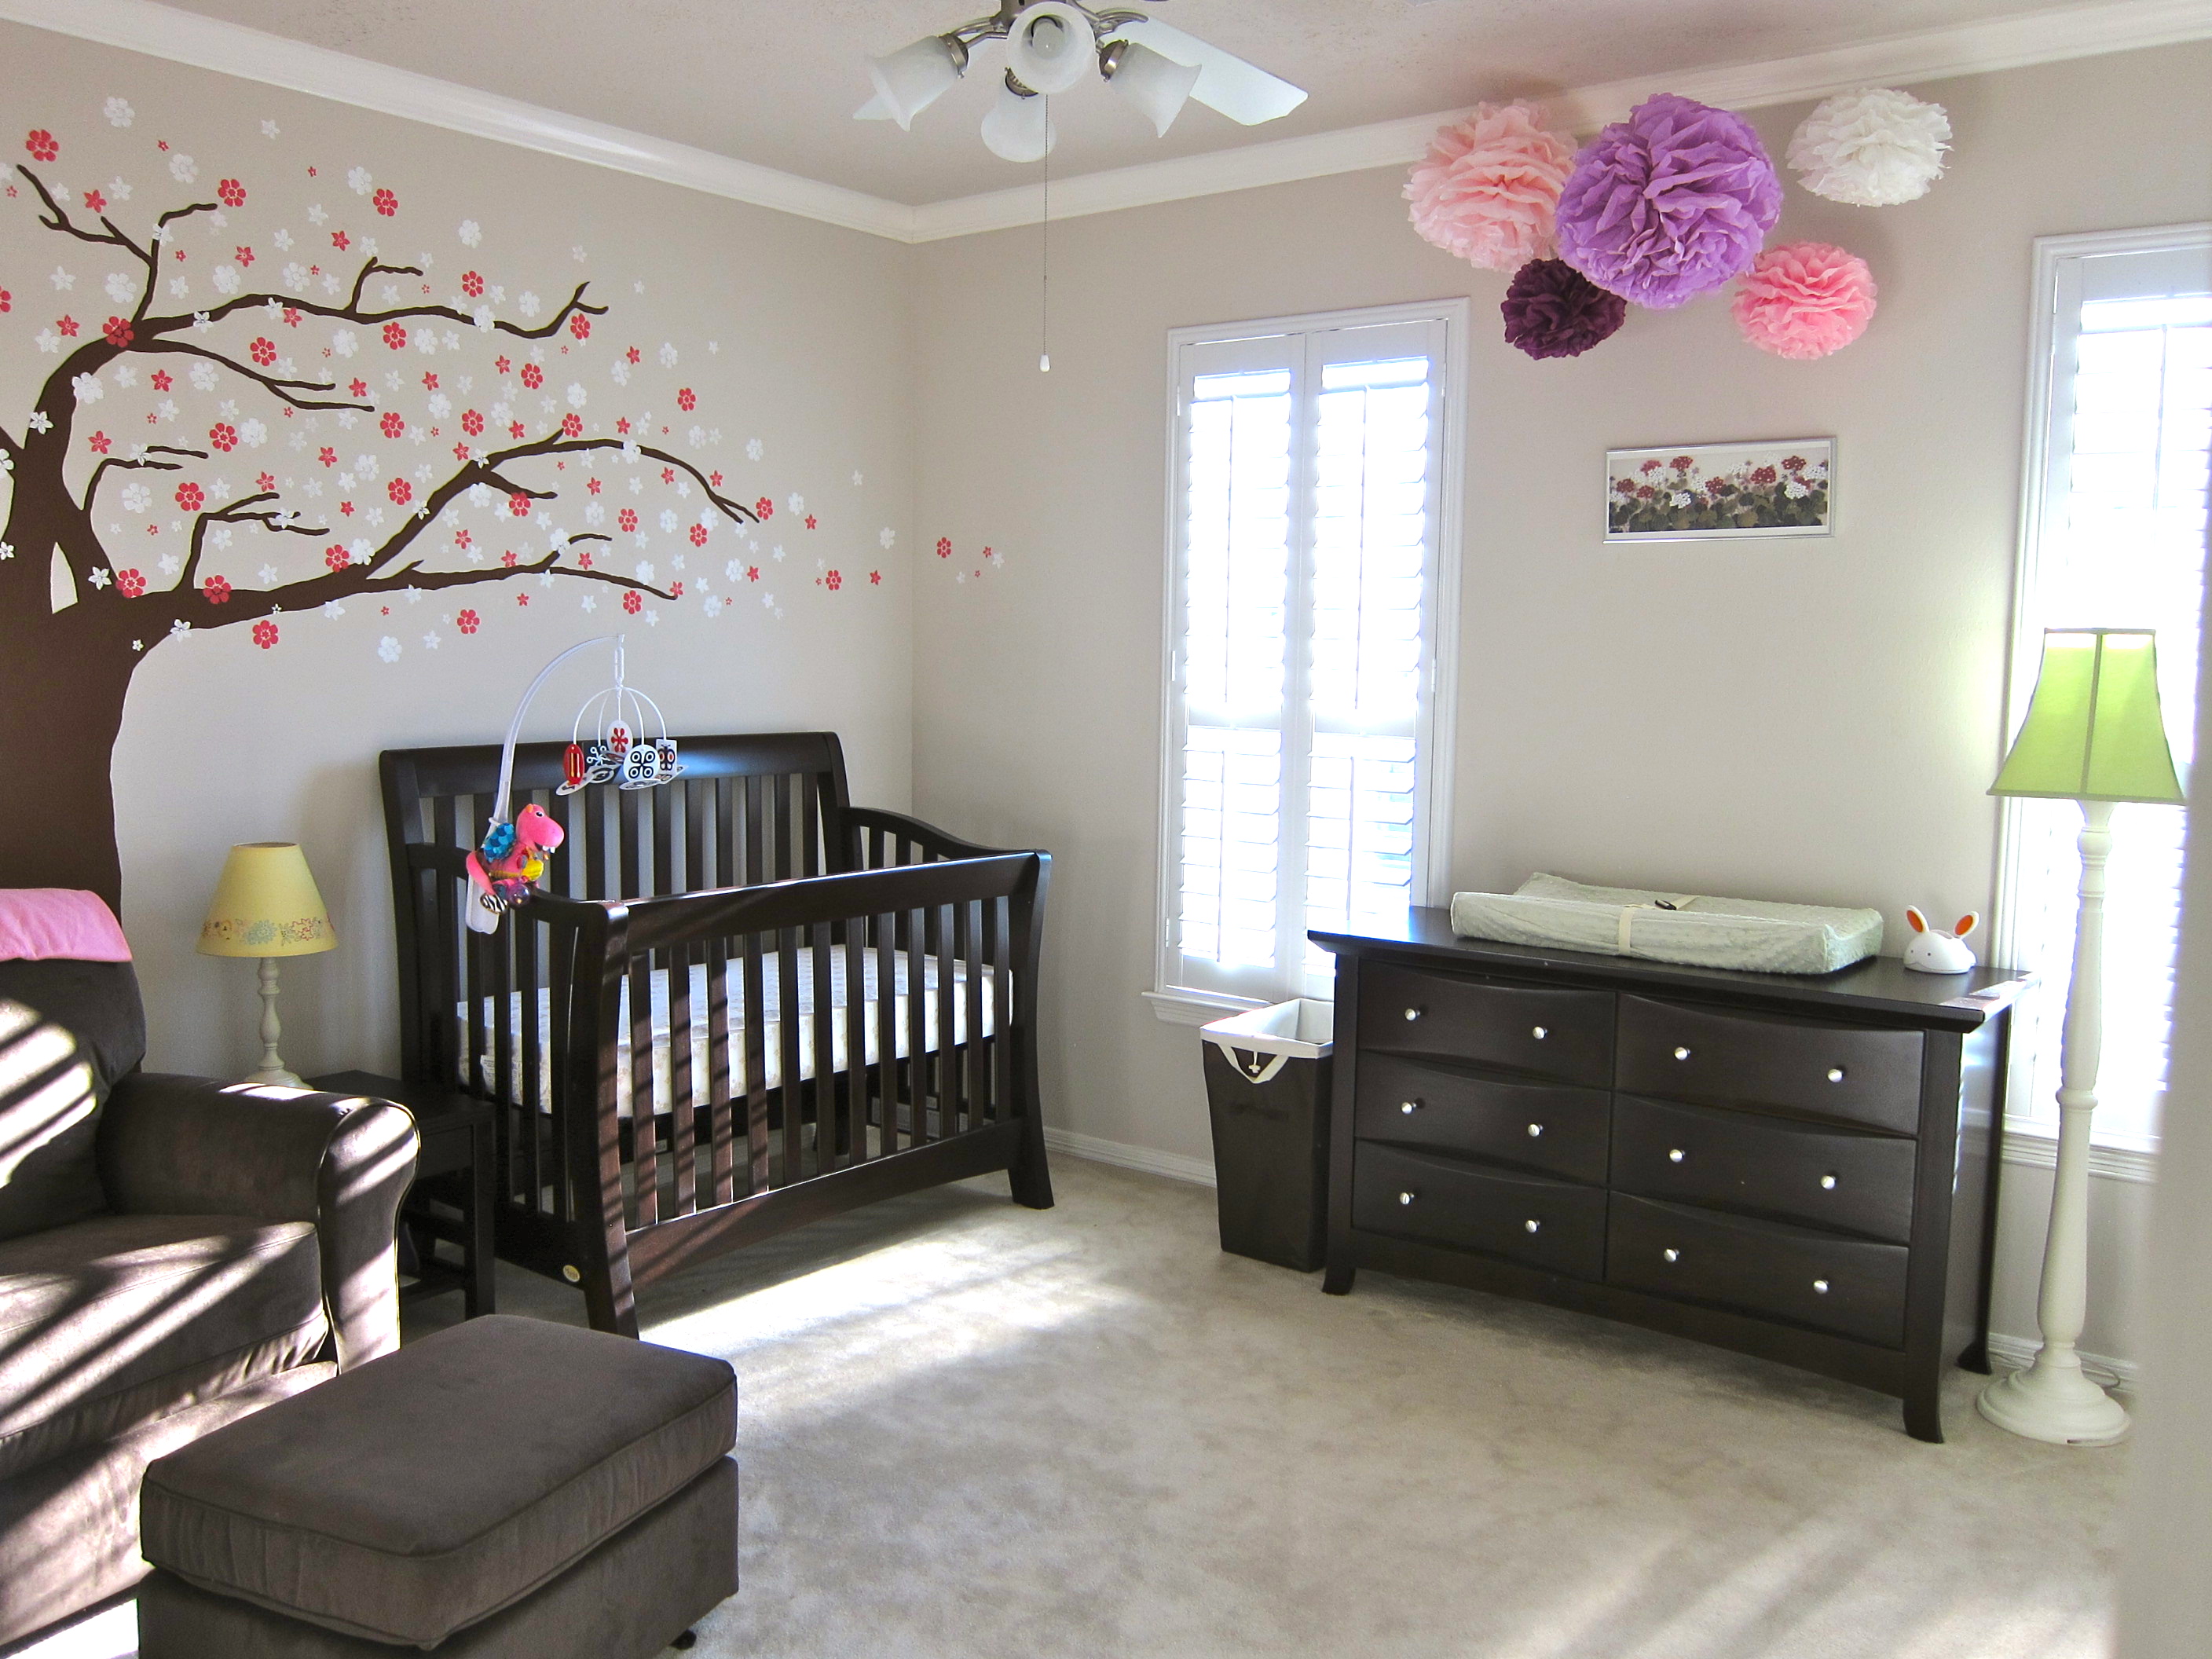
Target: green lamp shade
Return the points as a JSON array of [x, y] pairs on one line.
[[2094, 731]]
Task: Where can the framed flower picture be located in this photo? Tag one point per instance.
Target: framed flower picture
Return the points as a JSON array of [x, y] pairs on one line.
[[1712, 492]]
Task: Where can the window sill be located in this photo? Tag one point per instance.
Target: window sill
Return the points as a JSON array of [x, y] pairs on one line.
[[2032, 1143], [1181, 1007]]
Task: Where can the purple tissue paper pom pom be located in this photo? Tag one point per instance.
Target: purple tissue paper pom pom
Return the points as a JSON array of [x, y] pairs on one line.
[[1669, 204], [1553, 310]]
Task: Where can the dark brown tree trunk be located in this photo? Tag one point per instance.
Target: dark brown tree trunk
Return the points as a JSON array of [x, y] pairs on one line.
[[63, 683]]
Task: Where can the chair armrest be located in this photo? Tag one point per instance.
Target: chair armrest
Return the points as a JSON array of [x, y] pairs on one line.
[[188, 1145], [936, 843]]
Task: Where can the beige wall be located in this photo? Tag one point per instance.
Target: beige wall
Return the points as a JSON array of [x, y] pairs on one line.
[[224, 742], [1812, 720]]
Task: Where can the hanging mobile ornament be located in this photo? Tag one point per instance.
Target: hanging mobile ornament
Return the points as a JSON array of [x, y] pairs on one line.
[[512, 858]]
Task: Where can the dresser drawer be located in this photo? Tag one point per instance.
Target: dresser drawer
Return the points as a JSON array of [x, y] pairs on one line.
[[1860, 1183], [1851, 1075], [1545, 1036], [1545, 1127], [1845, 1285], [1542, 1223]]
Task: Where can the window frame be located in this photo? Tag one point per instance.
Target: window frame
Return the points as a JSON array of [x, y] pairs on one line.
[[2044, 427], [1435, 746]]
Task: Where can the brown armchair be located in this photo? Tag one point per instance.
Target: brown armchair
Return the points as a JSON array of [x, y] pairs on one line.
[[175, 1254]]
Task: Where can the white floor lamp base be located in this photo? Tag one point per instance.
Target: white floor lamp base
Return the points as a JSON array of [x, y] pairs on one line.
[[2055, 1405]]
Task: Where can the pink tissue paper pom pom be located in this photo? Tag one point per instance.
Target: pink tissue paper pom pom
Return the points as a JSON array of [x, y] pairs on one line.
[[1804, 300], [1489, 188]]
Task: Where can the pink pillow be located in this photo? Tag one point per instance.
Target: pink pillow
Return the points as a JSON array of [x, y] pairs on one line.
[[37, 923]]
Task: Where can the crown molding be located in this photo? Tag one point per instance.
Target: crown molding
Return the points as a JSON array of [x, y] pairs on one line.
[[159, 31], [2000, 43], [210, 43]]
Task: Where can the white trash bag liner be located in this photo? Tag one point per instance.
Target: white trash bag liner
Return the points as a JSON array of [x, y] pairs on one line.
[[1681, 927], [1260, 1042]]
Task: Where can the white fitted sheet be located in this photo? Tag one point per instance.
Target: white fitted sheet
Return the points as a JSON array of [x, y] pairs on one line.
[[802, 1005]]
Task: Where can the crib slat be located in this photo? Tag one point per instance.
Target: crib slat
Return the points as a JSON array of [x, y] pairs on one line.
[[756, 833], [644, 1128], [855, 1082], [593, 819], [790, 1090], [887, 1068], [971, 1047], [1002, 1048], [443, 1017], [809, 820], [946, 953], [830, 1128], [783, 837], [726, 832], [629, 806], [682, 1084], [755, 1066], [917, 1021], [718, 1139], [555, 1126]]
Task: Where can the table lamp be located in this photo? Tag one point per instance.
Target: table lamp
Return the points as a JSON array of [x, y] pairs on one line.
[[265, 905], [2094, 734]]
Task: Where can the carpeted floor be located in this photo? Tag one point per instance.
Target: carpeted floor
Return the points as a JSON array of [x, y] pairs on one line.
[[969, 1429]]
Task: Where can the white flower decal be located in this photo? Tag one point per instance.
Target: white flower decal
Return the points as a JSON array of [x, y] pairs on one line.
[[388, 648], [667, 518], [203, 376], [472, 232], [887, 536], [119, 112], [225, 278], [359, 179], [87, 388], [667, 354], [753, 449], [713, 606], [577, 396], [120, 289], [643, 572], [183, 169]]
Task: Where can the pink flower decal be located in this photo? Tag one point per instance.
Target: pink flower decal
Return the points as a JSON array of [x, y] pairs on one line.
[[627, 519], [162, 380], [572, 425], [67, 325], [327, 456], [291, 316], [752, 573], [580, 326], [686, 399], [243, 255], [875, 579], [473, 422], [833, 582], [99, 443], [632, 603], [387, 203], [218, 590], [392, 426], [401, 492], [42, 144], [518, 505], [7, 299], [223, 435], [812, 521], [263, 351], [340, 240], [472, 284], [394, 335], [698, 535], [944, 547], [532, 376], [232, 194], [510, 558], [468, 622], [190, 497], [130, 583], [336, 557], [264, 633], [765, 509]]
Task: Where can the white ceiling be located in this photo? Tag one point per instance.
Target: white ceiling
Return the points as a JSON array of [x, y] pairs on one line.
[[777, 83]]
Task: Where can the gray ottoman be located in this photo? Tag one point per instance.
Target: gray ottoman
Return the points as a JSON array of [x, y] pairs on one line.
[[507, 1488]]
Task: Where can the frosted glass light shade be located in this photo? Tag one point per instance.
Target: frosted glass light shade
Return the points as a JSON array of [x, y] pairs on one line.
[[266, 904], [1158, 86], [914, 77], [1018, 128], [1050, 47], [2094, 730]]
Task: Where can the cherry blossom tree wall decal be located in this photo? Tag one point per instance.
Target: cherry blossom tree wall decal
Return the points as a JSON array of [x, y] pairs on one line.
[[83, 602]]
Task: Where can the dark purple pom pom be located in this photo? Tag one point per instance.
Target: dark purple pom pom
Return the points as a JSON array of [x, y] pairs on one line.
[[1553, 310]]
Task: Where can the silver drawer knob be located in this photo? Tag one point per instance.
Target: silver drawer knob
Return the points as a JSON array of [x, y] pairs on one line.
[[1404, 1197], [1675, 1154], [1409, 1107], [1681, 1054], [1821, 1286], [1827, 1183], [1532, 1226], [1535, 1130], [1835, 1074], [1673, 1255], [1538, 1032], [1412, 1013]]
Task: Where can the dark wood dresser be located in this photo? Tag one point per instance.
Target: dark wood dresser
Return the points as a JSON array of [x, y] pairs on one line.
[[1800, 1167]]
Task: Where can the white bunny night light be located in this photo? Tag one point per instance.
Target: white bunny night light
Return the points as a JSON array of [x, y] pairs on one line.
[[1932, 951]]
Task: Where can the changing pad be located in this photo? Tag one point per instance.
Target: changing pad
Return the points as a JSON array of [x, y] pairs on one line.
[[1681, 927]]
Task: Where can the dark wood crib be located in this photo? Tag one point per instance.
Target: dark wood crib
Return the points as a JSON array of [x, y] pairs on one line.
[[737, 1005]]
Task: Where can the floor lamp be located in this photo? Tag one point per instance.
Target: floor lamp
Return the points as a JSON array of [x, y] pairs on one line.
[[2093, 734]]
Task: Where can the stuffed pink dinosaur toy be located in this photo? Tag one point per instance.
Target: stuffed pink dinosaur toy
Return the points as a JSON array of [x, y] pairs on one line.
[[508, 864]]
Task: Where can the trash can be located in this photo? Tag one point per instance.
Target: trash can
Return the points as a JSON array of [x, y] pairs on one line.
[[1266, 1084]]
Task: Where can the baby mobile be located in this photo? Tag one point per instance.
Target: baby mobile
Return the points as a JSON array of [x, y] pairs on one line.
[[1673, 202], [511, 859]]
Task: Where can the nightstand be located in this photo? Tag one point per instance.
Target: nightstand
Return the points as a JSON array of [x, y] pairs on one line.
[[451, 1197]]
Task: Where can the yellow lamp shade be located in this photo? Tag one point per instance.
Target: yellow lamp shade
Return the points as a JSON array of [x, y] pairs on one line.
[[265, 905], [2094, 730]]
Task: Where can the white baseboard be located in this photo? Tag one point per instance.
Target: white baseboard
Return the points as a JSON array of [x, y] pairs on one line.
[[2018, 1352], [1174, 1166]]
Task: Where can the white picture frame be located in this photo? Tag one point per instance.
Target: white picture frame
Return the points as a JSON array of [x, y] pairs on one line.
[[1692, 492]]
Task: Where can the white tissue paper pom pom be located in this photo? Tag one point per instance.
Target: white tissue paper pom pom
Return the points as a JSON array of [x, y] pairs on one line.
[[1871, 148]]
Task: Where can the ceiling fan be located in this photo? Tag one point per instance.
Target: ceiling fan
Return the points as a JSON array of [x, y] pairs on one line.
[[1050, 45]]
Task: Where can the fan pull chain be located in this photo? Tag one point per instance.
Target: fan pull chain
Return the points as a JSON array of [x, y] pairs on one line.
[[1044, 296]]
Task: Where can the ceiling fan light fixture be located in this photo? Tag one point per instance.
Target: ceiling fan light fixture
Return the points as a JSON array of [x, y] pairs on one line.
[[1049, 48], [911, 79], [1018, 127], [1160, 87]]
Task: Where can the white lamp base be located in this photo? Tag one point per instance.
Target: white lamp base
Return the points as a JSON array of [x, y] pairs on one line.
[[2057, 1406], [272, 1069]]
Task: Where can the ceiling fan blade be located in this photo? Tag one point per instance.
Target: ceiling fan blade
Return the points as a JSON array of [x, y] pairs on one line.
[[1244, 92]]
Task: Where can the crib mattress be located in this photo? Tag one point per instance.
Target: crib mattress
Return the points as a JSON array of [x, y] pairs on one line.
[[802, 1006]]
